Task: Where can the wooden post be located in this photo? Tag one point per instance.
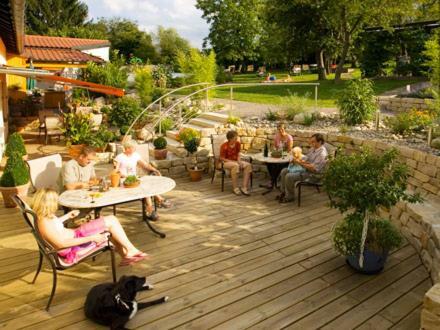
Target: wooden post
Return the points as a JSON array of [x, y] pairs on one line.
[[316, 98], [429, 135], [377, 120], [231, 96], [207, 100], [160, 117]]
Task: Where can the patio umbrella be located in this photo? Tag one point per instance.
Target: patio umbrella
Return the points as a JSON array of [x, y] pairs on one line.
[[30, 82]]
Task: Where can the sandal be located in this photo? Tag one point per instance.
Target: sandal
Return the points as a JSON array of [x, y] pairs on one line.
[[153, 216], [237, 191], [128, 261], [165, 203], [245, 192]]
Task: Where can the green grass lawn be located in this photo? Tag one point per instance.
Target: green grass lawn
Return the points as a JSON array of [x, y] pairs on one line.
[[275, 94]]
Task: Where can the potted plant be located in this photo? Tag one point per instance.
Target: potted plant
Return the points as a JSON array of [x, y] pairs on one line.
[[131, 181], [16, 146], [160, 145], [191, 146], [15, 178], [78, 131], [358, 185], [101, 139]]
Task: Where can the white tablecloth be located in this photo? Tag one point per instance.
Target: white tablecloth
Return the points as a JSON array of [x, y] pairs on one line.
[[149, 186]]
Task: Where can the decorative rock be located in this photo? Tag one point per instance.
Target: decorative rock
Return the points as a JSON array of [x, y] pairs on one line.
[[435, 143], [177, 162], [299, 118], [426, 259], [160, 164], [202, 153], [177, 170]]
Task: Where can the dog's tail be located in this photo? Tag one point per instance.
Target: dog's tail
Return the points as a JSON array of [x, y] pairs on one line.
[[142, 305]]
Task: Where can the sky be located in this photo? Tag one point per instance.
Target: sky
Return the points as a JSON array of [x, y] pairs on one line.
[[179, 14]]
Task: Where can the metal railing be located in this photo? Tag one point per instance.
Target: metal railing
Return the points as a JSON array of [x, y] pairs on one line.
[[231, 86]]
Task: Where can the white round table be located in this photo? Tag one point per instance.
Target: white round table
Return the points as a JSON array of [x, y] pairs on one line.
[[272, 160], [149, 186]]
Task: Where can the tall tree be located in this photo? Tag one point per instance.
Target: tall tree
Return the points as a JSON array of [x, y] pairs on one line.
[[304, 28], [125, 36], [349, 17], [235, 27], [43, 16], [169, 44]]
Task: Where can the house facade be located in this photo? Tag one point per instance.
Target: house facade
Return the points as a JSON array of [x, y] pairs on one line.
[[66, 56], [11, 46]]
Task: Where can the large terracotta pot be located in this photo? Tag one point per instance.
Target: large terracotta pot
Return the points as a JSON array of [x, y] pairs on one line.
[[160, 154], [75, 150], [195, 174], [8, 192]]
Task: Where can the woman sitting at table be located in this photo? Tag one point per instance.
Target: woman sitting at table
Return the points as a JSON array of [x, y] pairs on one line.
[[77, 242], [230, 156], [283, 141], [127, 162]]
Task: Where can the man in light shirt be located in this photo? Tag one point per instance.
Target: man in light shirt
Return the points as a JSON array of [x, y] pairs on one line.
[[78, 173], [314, 163]]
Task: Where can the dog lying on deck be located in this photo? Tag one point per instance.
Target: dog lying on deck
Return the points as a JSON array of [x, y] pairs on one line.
[[114, 304]]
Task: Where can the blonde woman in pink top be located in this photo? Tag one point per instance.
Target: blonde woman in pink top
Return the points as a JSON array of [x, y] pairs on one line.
[[283, 141]]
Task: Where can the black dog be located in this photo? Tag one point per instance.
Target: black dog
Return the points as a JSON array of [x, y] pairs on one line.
[[113, 304]]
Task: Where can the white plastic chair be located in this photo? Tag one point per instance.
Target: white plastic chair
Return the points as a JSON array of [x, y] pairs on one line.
[[53, 125], [44, 171]]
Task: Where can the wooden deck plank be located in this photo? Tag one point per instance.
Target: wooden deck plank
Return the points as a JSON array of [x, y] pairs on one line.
[[227, 262]]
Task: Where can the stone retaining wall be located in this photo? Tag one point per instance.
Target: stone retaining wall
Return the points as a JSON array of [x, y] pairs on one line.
[[419, 223], [401, 104]]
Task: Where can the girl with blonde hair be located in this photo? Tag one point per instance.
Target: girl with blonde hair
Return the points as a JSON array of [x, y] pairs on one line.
[[76, 242]]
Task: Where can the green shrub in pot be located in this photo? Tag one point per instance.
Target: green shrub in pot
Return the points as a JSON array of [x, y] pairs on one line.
[[358, 185]]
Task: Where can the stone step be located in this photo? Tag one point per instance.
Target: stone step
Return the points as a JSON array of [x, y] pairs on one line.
[[172, 134], [204, 123], [206, 132], [214, 116]]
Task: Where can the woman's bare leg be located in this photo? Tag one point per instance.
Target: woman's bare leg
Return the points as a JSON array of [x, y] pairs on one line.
[[123, 244]]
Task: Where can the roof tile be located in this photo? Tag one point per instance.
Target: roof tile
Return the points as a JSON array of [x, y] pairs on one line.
[[62, 42], [59, 55]]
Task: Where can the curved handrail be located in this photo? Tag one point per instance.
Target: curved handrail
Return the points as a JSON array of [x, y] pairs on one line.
[[186, 97], [158, 100]]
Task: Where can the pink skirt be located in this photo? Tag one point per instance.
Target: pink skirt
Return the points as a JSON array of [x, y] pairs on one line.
[[93, 227]]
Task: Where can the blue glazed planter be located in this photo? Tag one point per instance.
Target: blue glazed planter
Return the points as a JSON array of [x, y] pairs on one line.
[[373, 262]]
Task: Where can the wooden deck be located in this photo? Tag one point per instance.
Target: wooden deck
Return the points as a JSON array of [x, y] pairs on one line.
[[227, 263]]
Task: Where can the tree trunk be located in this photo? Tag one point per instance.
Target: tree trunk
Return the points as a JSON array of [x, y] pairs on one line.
[[345, 46], [344, 53], [321, 64]]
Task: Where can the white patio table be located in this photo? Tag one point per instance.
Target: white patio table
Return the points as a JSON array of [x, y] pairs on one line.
[[271, 160], [149, 186]]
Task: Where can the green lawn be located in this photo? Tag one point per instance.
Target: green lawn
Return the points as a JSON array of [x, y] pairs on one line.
[[275, 94]]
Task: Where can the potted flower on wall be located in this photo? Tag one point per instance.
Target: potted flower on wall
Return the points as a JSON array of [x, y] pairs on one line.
[[77, 131], [194, 171], [358, 185], [160, 145], [15, 178]]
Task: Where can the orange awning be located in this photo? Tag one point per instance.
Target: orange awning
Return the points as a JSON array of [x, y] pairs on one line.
[[48, 76], [83, 84]]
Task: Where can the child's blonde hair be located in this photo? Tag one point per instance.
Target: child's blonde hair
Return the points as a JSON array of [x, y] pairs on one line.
[[297, 152], [45, 203]]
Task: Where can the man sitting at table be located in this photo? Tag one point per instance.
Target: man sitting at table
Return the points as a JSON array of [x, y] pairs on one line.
[[314, 163], [126, 163], [78, 173]]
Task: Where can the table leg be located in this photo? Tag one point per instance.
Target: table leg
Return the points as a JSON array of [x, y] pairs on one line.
[[147, 221], [97, 212]]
